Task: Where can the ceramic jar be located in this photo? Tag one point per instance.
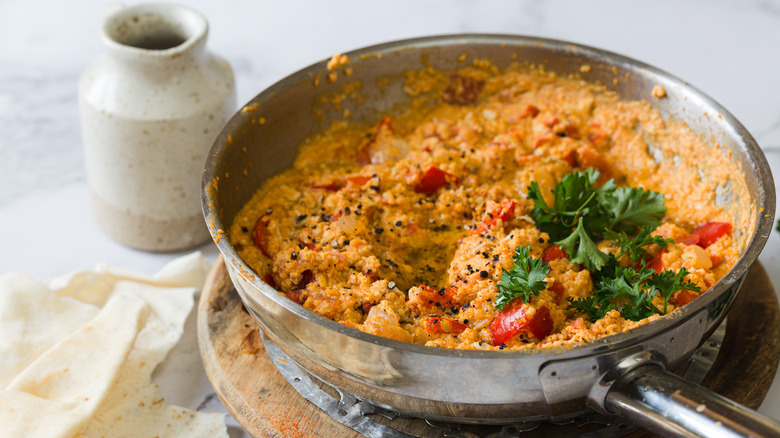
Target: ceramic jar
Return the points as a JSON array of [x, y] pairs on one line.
[[151, 107]]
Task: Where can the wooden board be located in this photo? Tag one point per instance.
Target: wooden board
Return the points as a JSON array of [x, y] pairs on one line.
[[265, 405]]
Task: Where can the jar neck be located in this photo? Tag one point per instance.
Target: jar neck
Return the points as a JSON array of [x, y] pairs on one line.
[[150, 35]]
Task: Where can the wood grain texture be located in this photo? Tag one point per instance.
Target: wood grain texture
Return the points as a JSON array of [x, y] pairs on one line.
[[265, 405]]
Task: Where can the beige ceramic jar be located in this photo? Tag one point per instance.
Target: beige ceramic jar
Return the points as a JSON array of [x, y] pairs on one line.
[[150, 108]]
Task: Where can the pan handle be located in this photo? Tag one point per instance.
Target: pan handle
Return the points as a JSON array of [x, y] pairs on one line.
[[664, 403]]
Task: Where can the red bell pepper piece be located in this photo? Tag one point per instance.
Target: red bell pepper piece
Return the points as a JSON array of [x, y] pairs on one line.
[[512, 320], [504, 211], [295, 295], [553, 252], [684, 297], [332, 186], [530, 111], [691, 239], [432, 179], [657, 263], [261, 235], [444, 298], [435, 325], [269, 279], [358, 180], [710, 232], [557, 289]]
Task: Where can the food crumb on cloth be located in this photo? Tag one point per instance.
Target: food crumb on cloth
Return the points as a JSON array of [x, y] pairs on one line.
[[77, 354]]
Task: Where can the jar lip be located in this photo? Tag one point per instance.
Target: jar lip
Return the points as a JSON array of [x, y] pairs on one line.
[[153, 29]]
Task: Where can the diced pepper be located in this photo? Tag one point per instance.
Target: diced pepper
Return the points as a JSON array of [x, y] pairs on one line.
[[512, 320], [432, 179], [588, 156], [436, 325], [657, 263], [691, 239], [332, 186], [570, 158], [295, 295], [358, 180], [261, 235], [306, 277], [443, 297], [557, 288], [504, 210], [269, 279], [710, 232], [553, 252], [684, 297], [530, 111]]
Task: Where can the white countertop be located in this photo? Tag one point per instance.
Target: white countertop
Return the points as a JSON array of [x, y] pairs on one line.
[[728, 49]]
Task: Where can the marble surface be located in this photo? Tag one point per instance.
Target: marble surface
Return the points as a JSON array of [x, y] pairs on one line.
[[728, 49]]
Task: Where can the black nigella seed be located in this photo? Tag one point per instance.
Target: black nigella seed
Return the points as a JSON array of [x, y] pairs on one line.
[[245, 229], [398, 223], [294, 256], [300, 218], [379, 230], [441, 291], [483, 274]]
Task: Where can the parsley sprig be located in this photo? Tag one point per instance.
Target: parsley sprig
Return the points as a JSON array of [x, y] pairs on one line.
[[634, 247], [631, 292], [524, 279], [581, 214]]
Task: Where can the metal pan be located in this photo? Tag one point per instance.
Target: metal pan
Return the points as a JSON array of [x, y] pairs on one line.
[[624, 374]]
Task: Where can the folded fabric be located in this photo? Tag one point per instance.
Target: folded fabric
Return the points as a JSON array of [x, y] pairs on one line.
[[78, 355]]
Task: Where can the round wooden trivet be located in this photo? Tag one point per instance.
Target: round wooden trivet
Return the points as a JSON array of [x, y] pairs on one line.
[[265, 405]]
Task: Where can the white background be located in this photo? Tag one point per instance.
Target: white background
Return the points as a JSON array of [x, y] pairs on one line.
[[728, 49]]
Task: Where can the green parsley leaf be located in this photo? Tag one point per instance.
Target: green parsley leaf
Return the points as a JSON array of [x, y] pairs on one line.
[[636, 299], [631, 208], [524, 279], [634, 246], [668, 282], [609, 270], [582, 214], [591, 306], [631, 292], [574, 195], [582, 249]]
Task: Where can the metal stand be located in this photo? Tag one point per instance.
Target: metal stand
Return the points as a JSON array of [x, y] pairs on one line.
[[353, 412]]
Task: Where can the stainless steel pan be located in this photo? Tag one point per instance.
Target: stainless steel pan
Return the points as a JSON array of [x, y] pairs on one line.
[[624, 374]]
